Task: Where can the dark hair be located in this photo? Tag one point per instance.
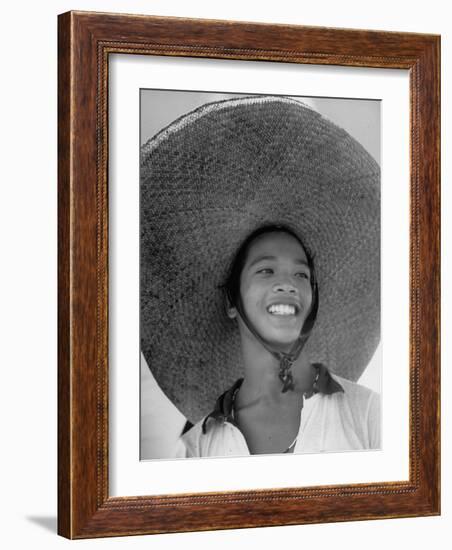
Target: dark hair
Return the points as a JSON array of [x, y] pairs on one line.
[[232, 284]]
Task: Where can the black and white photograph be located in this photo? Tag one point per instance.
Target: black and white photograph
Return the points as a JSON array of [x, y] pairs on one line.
[[259, 274]]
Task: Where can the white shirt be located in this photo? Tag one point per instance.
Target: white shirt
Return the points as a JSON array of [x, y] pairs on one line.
[[341, 421]]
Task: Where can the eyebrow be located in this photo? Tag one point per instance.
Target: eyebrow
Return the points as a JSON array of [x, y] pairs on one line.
[[259, 259]]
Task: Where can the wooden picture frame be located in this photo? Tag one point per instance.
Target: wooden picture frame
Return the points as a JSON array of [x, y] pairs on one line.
[[85, 42]]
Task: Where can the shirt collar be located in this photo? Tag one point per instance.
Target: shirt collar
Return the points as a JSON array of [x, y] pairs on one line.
[[224, 406]]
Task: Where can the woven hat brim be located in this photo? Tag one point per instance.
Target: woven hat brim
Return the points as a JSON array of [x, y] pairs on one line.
[[207, 182]]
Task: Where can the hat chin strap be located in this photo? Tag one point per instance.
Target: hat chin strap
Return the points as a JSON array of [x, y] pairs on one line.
[[286, 360]]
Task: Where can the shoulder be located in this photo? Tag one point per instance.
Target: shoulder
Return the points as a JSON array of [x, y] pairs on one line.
[[361, 407], [354, 391], [220, 438], [192, 439], [361, 401], [364, 406]]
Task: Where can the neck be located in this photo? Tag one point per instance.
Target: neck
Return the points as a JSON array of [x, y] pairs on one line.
[[262, 371]]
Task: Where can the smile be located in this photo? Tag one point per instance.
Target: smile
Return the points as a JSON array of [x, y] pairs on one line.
[[282, 309]]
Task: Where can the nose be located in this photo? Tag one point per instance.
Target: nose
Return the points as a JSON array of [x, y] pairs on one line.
[[284, 286]]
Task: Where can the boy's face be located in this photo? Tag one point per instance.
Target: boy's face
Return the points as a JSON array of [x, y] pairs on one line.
[[275, 288]]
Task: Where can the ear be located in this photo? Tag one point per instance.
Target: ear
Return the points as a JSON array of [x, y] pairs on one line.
[[231, 311]]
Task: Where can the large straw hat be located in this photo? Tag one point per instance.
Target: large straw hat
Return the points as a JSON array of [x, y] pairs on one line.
[[211, 178]]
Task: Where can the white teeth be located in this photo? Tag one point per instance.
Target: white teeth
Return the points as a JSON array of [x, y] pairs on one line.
[[281, 309]]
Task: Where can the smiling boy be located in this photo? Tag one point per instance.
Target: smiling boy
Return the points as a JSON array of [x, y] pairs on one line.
[[272, 307]]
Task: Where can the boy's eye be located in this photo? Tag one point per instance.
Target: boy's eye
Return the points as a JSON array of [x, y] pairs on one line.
[[302, 275], [265, 271]]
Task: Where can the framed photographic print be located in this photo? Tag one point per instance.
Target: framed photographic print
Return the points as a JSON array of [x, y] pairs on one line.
[[248, 275]]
